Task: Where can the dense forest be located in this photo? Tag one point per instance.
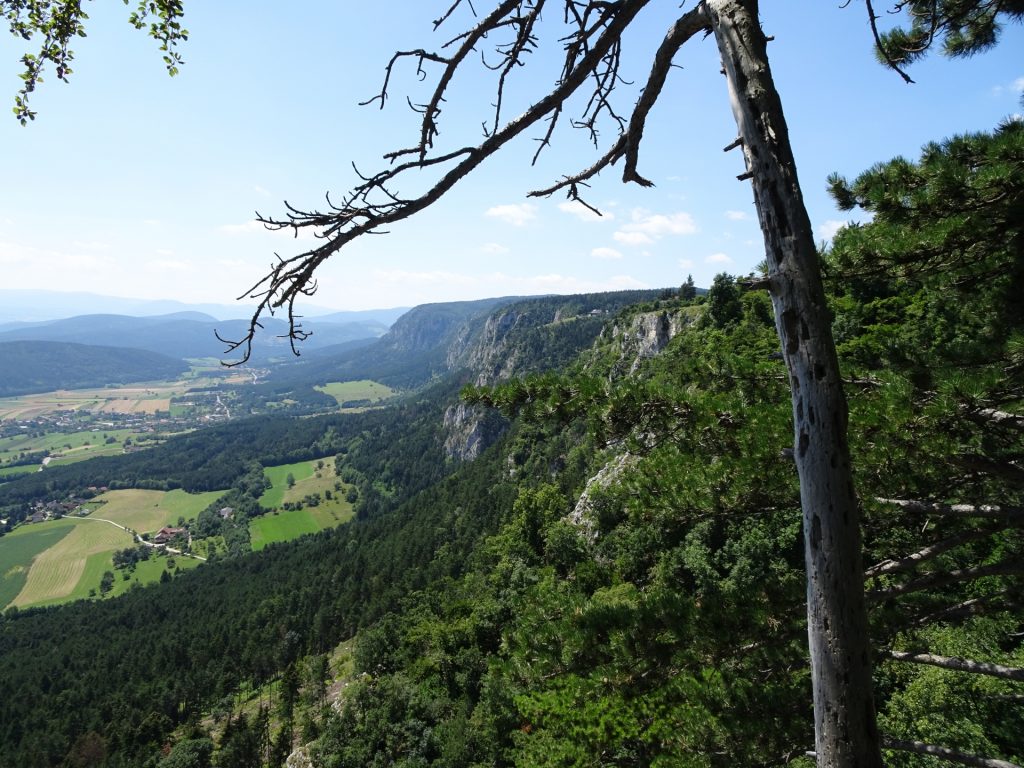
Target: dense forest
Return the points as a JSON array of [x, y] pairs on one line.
[[618, 580]]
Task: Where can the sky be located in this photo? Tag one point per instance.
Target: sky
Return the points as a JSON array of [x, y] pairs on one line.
[[131, 183]]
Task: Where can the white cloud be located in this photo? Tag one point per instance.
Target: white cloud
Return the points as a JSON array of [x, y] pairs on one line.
[[1018, 85], [827, 229], [164, 252], [737, 215], [499, 283], [260, 190], [493, 248], [659, 224], [632, 238], [646, 227], [418, 278], [718, 258], [685, 263], [169, 265], [242, 229], [605, 253], [579, 210], [516, 214]]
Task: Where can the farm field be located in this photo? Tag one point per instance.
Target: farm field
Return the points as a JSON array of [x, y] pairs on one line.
[[289, 524], [63, 560], [357, 391], [148, 511], [149, 398], [17, 551], [64, 447], [71, 567]]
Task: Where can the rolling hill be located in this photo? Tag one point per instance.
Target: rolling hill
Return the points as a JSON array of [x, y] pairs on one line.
[[27, 367]]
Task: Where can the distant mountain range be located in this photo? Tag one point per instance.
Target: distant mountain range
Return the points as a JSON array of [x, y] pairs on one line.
[[43, 366], [192, 334], [38, 305]]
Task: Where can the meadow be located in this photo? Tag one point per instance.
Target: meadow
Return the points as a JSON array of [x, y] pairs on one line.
[[17, 551], [63, 560], [357, 391], [310, 479]]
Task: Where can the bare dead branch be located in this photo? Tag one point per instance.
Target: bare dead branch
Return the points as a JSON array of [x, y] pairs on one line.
[[946, 578], [927, 553], [873, 21], [967, 608], [960, 510], [628, 143], [959, 665], [1004, 470], [373, 204], [1002, 418], [943, 753]]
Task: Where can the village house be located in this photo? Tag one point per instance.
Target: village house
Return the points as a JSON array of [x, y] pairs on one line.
[[165, 534]]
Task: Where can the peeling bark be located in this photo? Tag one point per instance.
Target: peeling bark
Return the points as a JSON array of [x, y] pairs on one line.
[[844, 712]]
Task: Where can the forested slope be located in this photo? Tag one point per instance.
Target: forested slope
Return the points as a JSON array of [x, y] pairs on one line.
[[618, 580], [43, 366]]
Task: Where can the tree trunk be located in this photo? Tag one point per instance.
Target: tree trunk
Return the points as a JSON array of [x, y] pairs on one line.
[[844, 714]]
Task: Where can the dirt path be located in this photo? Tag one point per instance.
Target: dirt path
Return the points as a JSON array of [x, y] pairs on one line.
[[140, 540]]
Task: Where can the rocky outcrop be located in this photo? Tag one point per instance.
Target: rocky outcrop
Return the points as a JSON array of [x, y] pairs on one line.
[[645, 335], [584, 514], [468, 431]]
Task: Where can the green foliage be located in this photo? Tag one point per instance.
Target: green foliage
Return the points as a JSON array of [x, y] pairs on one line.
[[723, 305], [190, 753], [56, 23], [962, 27]]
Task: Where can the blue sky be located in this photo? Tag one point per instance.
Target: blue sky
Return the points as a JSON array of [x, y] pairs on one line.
[[134, 184]]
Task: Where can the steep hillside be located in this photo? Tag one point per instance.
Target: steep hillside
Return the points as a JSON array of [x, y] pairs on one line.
[[484, 340], [43, 366]]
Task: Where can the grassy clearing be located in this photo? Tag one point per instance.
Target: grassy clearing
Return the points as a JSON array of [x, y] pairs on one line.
[[280, 526], [17, 551], [278, 477], [357, 391], [284, 525], [146, 572], [22, 470], [148, 511]]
